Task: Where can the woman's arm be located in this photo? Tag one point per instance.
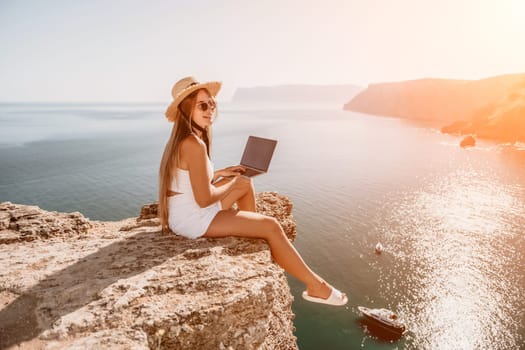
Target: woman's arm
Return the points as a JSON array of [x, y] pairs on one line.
[[193, 152]]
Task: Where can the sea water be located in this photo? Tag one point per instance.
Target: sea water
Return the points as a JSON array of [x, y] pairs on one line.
[[451, 220]]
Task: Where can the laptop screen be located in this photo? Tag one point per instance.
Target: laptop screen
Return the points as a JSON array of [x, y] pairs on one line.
[[258, 153]]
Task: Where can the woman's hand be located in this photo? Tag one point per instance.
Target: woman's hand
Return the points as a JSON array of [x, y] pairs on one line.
[[231, 171], [227, 173]]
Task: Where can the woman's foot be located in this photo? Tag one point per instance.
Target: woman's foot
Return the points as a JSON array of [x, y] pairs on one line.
[[319, 290], [325, 294]]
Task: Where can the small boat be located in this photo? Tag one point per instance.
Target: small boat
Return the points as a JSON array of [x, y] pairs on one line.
[[384, 318], [379, 248]]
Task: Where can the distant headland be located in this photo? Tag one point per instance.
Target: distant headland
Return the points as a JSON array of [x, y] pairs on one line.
[[296, 94], [492, 108]]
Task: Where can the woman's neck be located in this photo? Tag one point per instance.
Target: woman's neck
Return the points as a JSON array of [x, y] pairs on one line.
[[198, 130], [203, 135]]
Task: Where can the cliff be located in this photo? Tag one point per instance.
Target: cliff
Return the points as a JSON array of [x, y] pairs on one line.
[[440, 100], [70, 283], [502, 121], [296, 94]]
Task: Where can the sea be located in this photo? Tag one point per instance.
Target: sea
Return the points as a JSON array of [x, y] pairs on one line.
[[451, 220]]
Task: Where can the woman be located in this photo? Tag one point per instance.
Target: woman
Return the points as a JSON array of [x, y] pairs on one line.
[[192, 203]]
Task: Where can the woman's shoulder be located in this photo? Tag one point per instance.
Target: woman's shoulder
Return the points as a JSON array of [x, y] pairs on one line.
[[192, 143]]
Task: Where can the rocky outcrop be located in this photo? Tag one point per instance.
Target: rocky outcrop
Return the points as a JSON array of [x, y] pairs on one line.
[[468, 141], [442, 100], [70, 283], [25, 223]]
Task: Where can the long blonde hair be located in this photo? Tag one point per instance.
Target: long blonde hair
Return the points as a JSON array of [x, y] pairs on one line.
[[182, 128]]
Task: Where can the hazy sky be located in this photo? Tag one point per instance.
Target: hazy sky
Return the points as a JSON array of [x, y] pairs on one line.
[[108, 50]]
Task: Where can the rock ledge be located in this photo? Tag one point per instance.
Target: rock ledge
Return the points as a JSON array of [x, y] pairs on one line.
[[70, 283]]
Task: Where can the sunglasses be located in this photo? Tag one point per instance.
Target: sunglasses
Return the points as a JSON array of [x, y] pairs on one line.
[[204, 106]]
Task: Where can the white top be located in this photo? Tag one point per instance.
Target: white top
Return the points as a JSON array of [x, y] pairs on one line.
[[182, 183], [186, 217]]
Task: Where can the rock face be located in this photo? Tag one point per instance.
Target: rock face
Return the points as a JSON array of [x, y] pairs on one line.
[[70, 283]]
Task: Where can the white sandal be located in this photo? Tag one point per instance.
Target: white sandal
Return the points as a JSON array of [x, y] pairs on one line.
[[336, 298]]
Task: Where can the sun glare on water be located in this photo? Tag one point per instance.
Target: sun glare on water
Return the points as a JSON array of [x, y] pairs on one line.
[[460, 292]]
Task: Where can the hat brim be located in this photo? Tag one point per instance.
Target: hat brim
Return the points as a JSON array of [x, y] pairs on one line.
[[212, 86]]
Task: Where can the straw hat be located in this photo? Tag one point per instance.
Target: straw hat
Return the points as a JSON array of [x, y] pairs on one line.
[[183, 88]]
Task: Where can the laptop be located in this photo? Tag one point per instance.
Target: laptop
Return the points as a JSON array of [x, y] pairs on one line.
[[257, 155]]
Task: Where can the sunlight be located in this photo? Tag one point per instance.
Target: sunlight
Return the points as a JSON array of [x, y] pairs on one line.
[[453, 232]]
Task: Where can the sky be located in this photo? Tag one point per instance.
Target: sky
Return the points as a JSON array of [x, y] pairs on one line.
[[134, 51]]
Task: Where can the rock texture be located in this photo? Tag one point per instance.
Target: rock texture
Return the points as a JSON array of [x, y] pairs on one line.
[[26, 223], [70, 283]]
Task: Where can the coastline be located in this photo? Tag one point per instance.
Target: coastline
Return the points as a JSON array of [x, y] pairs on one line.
[[489, 109]]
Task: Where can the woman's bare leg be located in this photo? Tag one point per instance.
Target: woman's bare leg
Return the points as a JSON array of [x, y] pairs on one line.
[[252, 225], [246, 202], [244, 197]]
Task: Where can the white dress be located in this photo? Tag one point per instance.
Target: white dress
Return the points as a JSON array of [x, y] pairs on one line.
[[185, 216]]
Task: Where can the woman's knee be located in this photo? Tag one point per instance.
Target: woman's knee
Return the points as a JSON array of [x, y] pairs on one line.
[[248, 186], [273, 228]]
